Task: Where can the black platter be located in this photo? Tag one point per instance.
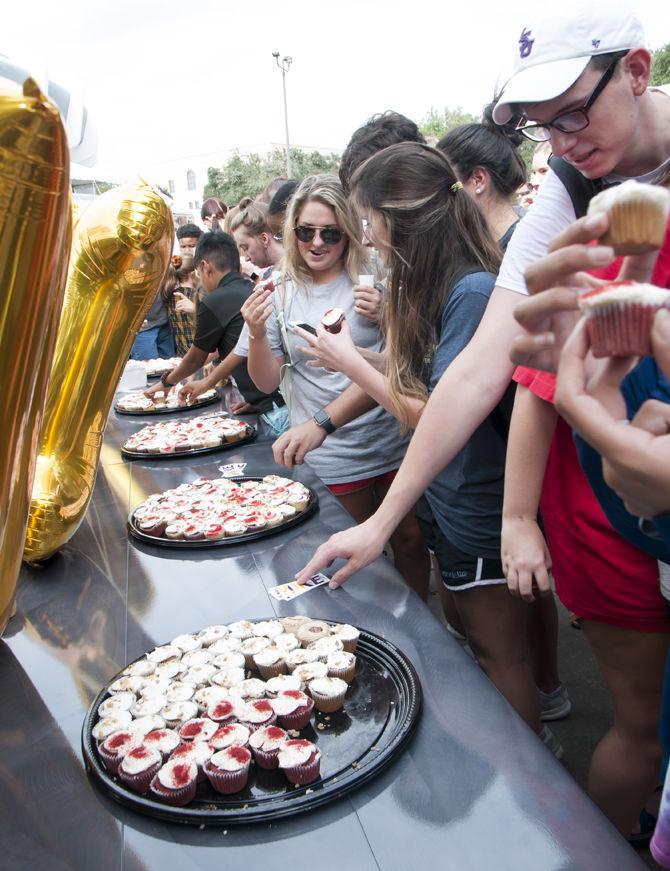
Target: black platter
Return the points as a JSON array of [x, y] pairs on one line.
[[159, 541], [178, 408], [252, 432], [381, 710]]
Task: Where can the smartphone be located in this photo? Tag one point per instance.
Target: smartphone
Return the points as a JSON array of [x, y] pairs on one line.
[[307, 327], [254, 276]]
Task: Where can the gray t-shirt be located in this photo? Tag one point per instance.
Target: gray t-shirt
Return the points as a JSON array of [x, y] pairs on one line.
[[368, 446]]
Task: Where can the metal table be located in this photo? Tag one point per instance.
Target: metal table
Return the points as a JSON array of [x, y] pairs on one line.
[[475, 789]]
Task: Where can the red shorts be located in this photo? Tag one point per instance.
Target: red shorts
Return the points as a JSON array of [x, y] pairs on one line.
[[598, 574], [354, 486]]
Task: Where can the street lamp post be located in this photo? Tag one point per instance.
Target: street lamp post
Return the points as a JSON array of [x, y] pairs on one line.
[[284, 65]]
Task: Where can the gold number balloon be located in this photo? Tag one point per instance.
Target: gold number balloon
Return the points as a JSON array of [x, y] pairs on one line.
[[34, 247], [120, 253]]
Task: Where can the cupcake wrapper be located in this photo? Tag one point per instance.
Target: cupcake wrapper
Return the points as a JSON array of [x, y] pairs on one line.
[[111, 761], [347, 674], [175, 797], [227, 782], [350, 645], [269, 671], [635, 228], [299, 775], [267, 760], [142, 781], [298, 719], [327, 704], [252, 727], [621, 329]]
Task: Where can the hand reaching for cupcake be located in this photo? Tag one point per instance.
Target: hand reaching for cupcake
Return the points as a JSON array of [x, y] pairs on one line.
[[636, 458]]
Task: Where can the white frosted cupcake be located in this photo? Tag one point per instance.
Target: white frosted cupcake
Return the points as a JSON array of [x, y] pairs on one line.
[[328, 693], [348, 635], [270, 662], [638, 216], [342, 664]]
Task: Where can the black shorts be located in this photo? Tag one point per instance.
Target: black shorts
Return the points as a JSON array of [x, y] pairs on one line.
[[459, 570]]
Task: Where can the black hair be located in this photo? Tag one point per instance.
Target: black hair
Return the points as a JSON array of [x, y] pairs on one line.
[[279, 202], [489, 145], [189, 231], [378, 132], [219, 249]]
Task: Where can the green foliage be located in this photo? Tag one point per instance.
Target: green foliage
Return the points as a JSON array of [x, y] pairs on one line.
[[246, 176], [660, 66], [437, 123]]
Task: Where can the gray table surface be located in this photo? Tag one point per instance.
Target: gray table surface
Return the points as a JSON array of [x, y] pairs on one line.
[[475, 789]]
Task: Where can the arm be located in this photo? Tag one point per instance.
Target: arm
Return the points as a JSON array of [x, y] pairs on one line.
[[291, 447], [524, 552], [467, 392], [264, 369], [190, 363], [219, 373]]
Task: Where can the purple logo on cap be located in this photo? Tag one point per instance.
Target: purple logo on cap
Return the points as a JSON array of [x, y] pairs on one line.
[[595, 43], [525, 43]]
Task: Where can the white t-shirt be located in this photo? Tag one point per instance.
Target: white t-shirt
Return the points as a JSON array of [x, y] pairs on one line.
[[368, 446], [550, 214]]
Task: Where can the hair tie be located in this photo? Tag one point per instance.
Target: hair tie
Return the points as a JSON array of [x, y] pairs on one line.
[[456, 186], [176, 261]]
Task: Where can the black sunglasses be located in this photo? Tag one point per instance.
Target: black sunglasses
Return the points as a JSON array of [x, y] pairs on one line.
[[329, 235], [572, 121]]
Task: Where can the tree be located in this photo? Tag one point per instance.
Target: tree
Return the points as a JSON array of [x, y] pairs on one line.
[[246, 176], [437, 123], [660, 66]]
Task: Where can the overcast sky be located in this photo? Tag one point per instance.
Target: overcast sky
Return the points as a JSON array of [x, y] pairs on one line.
[[165, 79]]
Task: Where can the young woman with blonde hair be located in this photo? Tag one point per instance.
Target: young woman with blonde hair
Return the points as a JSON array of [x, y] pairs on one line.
[[323, 258]]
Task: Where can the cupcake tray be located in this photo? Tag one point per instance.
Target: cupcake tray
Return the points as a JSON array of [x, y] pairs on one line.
[[311, 509], [252, 432], [381, 711], [197, 404]]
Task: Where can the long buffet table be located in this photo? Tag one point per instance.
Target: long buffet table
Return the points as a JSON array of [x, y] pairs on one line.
[[475, 789]]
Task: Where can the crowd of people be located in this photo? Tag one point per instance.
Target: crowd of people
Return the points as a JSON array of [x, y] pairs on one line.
[[457, 414]]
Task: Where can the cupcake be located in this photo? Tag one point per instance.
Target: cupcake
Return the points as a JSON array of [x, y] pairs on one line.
[[257, 713], [309, 671], [149, 706], [139, 766], [282, 682], [342, 664], [293, 709], [252, 688], [198, 729], [198, 752], [328, 693], [228, 770], [208, 696], [270, 662], [180, 691], [332, 320], [117, 703], [251, 646], [312, 631], [325, 646], [176, 714], [111, 723], [619, 317], [212, 634], [268, 628], [227, 736], [300, 761], [228, 677], [114, 748], [222, 712], [176, 782], [286, 642], [301, 656], [229, 660], [265, 745], [127, 684], [638, 216], [163, 740], [348, 635]]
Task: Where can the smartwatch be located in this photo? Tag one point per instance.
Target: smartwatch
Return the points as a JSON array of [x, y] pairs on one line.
[[322, 419]]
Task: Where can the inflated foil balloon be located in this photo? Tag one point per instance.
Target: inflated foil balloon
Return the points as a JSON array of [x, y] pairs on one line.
[[34, 249], [120, 253]]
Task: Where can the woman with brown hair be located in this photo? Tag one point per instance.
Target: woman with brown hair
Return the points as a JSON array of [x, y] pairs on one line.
[[443, 262], [213, 212], [179, 295]]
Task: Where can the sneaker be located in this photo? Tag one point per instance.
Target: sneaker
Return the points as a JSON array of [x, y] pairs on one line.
[[551, 742], [555, 705]]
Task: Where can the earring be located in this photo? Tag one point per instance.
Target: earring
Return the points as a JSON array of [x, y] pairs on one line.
[[478, 190]]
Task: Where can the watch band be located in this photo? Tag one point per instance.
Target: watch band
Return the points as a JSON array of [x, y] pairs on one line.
[[322, 419], [164, 379]]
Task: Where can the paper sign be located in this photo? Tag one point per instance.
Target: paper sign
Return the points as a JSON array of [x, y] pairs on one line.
[[286, 592], [232, 470]]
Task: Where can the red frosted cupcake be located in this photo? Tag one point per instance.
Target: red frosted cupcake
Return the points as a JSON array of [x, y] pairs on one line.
[[198, 752], [265, 744], [163, 740], [176, 782], [256, 714], [222, 712], [139, 766], [198, 729], [227, 736], [300, 761], [114, 748], [228, 770], [293, 709], [619, 316]]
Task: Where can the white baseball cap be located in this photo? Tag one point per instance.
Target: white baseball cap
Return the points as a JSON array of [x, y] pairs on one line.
[[554, 47]]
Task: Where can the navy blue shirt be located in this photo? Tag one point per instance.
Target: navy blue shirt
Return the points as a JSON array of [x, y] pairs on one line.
[[466, 497], [645, 382]]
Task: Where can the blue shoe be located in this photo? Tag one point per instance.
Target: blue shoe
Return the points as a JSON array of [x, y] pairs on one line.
[[555, 705]]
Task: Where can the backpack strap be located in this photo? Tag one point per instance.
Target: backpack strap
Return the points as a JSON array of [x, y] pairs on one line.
[[580, 189]]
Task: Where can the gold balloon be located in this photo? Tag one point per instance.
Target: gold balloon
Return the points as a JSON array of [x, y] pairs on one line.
[[120, 253], [34, 247]]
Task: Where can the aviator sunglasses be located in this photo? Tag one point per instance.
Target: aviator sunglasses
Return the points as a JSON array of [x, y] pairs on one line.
[[329, 235]]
